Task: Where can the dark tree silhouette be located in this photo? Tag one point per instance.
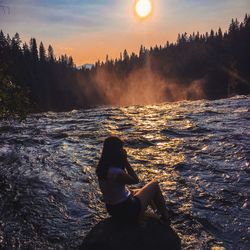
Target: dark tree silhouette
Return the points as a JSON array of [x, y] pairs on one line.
[[33, 49], [42, 52], [51, 56], [217, 62]]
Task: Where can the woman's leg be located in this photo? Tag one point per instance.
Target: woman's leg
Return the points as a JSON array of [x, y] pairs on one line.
[[136, 191], [152, 192]]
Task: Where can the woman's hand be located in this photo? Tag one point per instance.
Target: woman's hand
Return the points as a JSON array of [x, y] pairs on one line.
[[134, 191], [125, 155], [129, 169]]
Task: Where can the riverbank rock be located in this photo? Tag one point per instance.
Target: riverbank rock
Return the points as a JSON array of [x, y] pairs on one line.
[[148, 234]]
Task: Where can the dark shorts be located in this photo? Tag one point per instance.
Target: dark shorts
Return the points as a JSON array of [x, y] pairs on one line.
[[127, 210]]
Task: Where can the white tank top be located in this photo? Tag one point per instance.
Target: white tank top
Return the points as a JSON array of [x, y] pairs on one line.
[[113, 191]]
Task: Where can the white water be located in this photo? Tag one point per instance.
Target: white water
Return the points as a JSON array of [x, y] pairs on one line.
[[199, 151]]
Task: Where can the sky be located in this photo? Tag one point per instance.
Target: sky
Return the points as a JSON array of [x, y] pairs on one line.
[[89, 30]]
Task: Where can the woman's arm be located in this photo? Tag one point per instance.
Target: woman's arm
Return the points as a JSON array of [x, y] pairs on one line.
[[129, 176], [129, 169], [131, 172], [125, 178]]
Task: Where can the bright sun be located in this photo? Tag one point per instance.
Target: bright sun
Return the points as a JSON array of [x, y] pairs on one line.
[[143, 8]]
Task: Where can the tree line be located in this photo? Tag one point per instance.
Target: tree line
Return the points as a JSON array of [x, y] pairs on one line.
[[218, 62]]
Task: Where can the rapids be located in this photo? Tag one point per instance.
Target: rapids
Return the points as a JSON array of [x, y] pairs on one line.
[[199, 151]]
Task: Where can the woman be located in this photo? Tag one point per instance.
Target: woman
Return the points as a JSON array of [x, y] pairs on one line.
[[114, 173]]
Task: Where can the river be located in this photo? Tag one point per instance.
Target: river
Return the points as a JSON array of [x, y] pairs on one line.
[[198, 150]]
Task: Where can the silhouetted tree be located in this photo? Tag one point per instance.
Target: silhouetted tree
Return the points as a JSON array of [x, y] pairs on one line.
[[125, 55], [26, 51], [142, 51], [33, 49], [51, 56], [42, 52], [71, 62], [220, 35], [8, 39], [16, 42], [218, 61]]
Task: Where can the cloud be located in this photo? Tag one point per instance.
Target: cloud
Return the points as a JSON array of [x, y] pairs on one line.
[[63, 17]]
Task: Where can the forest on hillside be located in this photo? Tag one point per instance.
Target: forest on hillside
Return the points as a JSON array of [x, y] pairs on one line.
[[197, 66]]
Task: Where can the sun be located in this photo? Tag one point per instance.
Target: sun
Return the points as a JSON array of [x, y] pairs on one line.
[[143, 8]]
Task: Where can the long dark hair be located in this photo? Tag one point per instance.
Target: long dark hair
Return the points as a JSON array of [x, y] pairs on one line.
[[112, 156]]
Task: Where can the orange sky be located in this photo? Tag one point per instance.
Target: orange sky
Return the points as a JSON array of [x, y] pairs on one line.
[[89, 30]]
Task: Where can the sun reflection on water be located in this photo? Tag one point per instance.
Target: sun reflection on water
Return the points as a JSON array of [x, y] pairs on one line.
[[196, 150]]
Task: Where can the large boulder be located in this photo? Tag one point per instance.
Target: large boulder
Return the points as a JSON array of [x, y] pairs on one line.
[[148, 234]]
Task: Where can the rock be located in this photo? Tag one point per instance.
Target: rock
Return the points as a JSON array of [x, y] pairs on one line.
[[148, 234]]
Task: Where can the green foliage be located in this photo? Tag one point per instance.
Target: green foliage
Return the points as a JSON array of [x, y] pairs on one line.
[[14, 102]]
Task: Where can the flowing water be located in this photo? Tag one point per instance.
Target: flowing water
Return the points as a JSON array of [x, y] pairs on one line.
[[199, 152]]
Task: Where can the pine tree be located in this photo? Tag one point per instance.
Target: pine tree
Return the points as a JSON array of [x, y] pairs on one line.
[[179, 38], [71, 62], [125, 55], [3, 41], [197, 37], [8, 39], [234, 26], [220, 35], [26, 51], [107, 59], [247, 21], [142, 51], [42, 52], [33, 49], [51, 56], [16, 43], [211, 34]]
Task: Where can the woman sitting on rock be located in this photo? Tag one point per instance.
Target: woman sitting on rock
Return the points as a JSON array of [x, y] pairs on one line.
[[114, 173]]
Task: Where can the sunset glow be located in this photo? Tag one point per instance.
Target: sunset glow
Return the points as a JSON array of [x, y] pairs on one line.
[[89, 30], [143, 8]]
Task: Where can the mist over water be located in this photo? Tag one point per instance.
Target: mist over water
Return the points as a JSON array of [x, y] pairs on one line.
[[199, 151], [142, 85]]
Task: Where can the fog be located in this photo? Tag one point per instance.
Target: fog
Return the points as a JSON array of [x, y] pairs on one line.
[[143, 86]]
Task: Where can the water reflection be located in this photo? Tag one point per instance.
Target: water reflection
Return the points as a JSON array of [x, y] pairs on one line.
[[199, 152]]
